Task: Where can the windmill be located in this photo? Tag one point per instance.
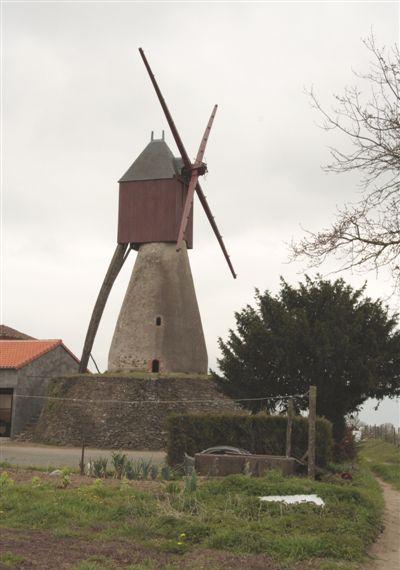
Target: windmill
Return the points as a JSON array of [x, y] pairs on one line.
[[159, 327]]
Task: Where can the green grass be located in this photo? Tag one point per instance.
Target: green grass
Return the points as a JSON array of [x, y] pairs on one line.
[[10, 560], [383, 458], [223, 514]]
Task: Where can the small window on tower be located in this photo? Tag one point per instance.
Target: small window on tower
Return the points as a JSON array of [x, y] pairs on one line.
[[158, 321], [155, 366]]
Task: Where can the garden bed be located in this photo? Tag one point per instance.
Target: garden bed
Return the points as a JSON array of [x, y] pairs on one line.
[[180, 524]]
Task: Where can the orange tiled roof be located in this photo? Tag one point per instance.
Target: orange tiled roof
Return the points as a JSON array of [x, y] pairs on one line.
[[18, 353]]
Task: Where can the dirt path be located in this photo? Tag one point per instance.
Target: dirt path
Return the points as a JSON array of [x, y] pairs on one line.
[[386, 550]]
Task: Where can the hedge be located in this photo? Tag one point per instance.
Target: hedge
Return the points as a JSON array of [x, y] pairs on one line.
[[261, 434]]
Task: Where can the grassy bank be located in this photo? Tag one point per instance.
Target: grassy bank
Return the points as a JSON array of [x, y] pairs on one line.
[[181, 523], [383, 458]]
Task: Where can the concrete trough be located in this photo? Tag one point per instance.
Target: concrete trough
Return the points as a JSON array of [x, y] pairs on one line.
[[221, 465]]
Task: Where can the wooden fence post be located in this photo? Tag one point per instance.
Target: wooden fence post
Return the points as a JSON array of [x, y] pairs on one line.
[[290, 414], [312, 413], [82, 461]]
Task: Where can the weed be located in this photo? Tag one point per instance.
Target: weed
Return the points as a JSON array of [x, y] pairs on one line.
[[146, 565], [10, 560], [166, 472], [191, 482], [172, 488], [36, 482], [65, 480], [5, 480], [95, 563]]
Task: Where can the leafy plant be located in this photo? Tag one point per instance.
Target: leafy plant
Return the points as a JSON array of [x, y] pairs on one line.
[[133, 470], [98, 467], [118, 461], [154, 470], [65, 479], [36, 482], [145, 467]]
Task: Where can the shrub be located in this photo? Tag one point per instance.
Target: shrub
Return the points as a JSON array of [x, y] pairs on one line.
[[345, 449], [261, 434]]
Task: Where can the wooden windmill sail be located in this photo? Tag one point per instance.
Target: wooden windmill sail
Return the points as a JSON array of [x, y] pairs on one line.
[[159, 326]]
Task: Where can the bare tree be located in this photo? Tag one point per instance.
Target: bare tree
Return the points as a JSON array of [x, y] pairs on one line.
[[366, 234]]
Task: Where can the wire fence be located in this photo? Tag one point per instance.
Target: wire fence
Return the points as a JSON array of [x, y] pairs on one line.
[[385, 432]]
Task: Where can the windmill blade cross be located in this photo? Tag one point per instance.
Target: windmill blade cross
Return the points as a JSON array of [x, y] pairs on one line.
[[186, 159], [193, 181], [172, 126], [206, 207]]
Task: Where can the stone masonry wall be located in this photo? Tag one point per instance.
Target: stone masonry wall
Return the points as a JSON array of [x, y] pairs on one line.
[[33, 380], [94, 407]]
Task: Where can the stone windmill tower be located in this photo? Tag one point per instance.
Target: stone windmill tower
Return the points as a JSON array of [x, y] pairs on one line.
[[159, 326]]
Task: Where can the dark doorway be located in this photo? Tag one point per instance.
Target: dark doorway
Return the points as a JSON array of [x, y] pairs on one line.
[[6, 401], [155, 366], [158, 321]]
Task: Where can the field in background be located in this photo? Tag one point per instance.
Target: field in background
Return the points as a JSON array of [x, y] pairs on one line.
[[383, 458]]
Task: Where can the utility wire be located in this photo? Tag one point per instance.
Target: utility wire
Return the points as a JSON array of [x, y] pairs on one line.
[[156, 402]]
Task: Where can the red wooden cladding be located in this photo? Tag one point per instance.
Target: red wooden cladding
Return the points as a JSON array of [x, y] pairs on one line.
[[151, 211]]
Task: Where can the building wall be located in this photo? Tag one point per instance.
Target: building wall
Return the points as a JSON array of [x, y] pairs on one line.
[[160, 290], [151, 211], [32, 380], [8, 378]]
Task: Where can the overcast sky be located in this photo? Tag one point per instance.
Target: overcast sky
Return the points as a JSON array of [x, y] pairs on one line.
[[78, 108]]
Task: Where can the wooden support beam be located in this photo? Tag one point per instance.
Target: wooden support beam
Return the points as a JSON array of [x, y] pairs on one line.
[[116, 264], [312, 415]]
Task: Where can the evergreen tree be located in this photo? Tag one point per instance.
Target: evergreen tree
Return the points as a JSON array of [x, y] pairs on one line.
[[319, 333]]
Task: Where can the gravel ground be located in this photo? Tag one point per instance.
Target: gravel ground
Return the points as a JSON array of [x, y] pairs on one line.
[[35, 455]]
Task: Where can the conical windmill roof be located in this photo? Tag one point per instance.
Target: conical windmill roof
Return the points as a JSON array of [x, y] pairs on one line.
[[154, 163]]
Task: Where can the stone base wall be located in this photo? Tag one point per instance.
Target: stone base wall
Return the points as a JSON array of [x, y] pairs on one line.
[[122, 411]]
